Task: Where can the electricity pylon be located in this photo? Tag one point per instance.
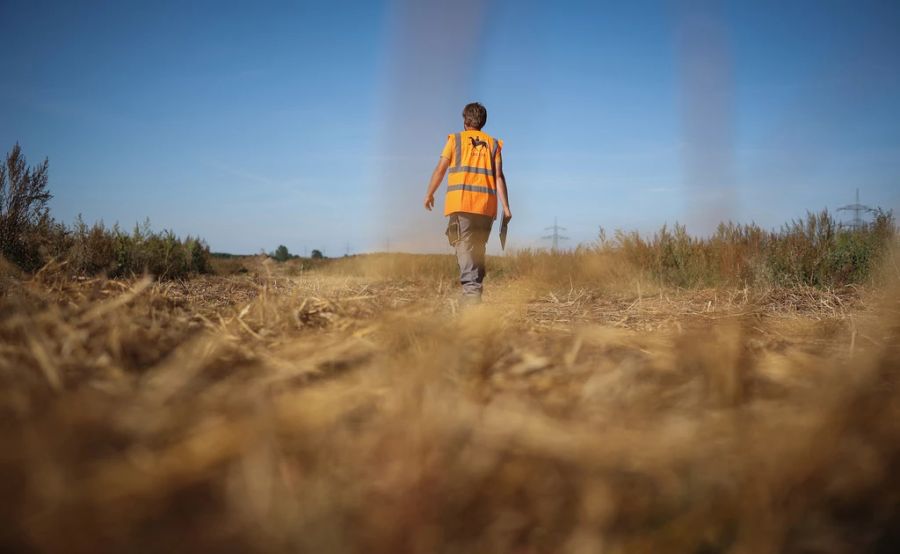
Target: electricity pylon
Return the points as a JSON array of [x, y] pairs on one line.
[[555, 237], [857, 208]]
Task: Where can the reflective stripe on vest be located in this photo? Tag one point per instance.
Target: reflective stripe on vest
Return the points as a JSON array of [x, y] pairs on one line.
[[476, 170], [471, 188], [472, 180]]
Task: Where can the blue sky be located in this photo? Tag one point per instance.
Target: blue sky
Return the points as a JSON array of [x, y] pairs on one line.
[[316, 125]]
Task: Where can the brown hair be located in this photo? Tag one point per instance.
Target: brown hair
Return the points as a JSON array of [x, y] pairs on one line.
[[474, 115]]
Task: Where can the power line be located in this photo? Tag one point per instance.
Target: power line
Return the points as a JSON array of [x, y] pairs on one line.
[[857, 209], [555, 237]]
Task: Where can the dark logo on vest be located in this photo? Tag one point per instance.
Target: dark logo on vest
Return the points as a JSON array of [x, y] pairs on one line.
[[477, 142]]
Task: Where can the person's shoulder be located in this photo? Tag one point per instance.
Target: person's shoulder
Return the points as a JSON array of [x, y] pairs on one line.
[[496, 139]]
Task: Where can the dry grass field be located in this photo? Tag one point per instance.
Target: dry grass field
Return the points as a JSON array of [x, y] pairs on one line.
[[354, 408]]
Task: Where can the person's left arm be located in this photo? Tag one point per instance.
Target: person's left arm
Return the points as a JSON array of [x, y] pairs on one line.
[[502, 191]]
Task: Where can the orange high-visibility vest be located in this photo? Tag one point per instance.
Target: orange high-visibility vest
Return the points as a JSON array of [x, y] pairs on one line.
[[472, 179]]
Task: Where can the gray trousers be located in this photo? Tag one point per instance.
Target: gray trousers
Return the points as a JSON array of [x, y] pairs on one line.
[[468, 233]]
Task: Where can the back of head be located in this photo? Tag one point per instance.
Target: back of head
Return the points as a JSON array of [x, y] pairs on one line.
[[474, 115]]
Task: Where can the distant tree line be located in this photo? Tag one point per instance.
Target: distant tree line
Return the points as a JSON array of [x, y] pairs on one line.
[[815, 251], [281, 254]]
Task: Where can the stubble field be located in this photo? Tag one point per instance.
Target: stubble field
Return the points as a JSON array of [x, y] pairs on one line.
[[349, 409]]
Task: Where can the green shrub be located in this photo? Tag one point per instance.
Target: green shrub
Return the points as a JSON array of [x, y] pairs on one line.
[[98, 250], [30, 238]]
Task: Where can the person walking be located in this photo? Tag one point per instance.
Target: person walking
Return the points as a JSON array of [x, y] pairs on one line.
[[475, 163]]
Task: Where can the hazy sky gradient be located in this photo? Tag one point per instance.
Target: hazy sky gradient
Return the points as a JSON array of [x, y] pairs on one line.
[[316, 125]]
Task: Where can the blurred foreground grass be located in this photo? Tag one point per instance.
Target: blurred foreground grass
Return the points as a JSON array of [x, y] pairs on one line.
[[342, 408]]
